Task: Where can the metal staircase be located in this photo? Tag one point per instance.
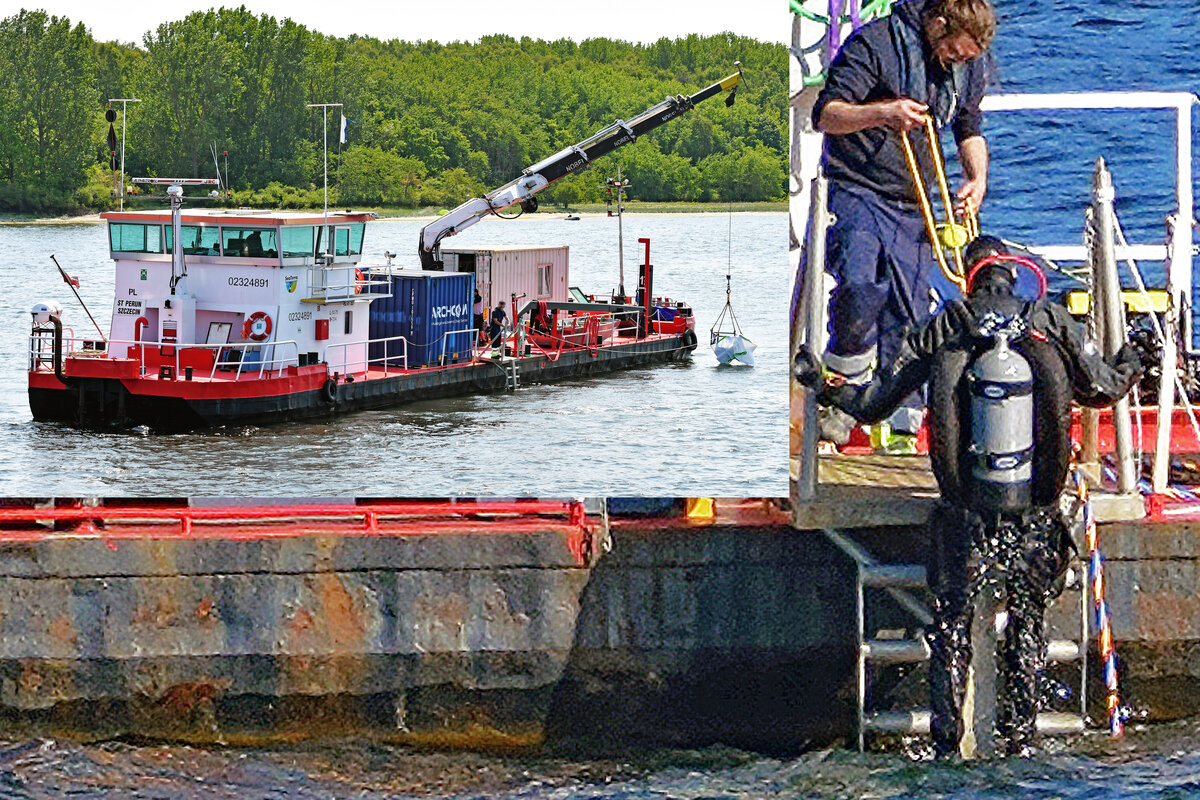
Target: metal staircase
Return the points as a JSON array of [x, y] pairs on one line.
[[906, 584]]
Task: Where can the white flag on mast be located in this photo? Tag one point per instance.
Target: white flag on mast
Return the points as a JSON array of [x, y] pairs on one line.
[[343, 137]]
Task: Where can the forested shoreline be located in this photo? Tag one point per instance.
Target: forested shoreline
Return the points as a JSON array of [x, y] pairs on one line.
[[428, 124]]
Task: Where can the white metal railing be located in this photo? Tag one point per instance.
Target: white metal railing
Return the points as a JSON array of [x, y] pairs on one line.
[[45, 336], [41, 348], [221, 356], [344, 366], [42, 345], [1178, 253], [473, 333], [343, 282]]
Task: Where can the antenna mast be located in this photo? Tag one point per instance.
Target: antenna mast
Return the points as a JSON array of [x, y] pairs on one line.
[[123, 101], [325, 145], [620, 187]]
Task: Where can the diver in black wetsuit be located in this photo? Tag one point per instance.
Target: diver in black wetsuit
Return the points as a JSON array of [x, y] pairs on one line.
[[998, 519]]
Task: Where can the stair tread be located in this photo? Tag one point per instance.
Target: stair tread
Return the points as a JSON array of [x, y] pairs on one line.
[[917, 721], [903, 576], [895, 651]]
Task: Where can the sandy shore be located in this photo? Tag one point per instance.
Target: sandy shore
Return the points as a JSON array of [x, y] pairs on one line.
[[83, 219]]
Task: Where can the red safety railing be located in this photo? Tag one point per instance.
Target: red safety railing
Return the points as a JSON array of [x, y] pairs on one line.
[[388, 518]]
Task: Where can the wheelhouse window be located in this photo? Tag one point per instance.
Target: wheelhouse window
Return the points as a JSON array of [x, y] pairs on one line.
[[198, 240], [128, 237], [297, 241], [545, 287], [348, 239], [250, 242]]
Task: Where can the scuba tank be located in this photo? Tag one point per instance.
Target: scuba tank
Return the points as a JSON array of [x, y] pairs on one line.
[[1002, 421]]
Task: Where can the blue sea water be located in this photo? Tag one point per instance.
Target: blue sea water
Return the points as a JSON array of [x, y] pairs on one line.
[[1042, 162]]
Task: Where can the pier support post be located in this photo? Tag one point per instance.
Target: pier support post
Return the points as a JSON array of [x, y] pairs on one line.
[[809, 327], [1110, 314]]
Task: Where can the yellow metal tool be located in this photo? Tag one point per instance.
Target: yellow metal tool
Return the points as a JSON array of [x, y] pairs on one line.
[[950, 235]]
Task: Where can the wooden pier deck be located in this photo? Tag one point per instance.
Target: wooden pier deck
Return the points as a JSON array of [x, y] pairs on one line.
[[863, 491]]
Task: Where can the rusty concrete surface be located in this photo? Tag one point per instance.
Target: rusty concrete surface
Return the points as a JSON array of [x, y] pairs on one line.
[[704, 631], [195, 638], [740, 631]]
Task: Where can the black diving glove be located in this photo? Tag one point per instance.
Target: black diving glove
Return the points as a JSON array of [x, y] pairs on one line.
[[1132, 356], [807, 368], [810, 373]]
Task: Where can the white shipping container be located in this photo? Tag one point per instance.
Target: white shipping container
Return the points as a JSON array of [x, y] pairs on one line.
[[539, 273]]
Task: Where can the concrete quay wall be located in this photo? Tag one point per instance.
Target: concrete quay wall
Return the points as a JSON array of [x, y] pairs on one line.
[[739, 632]]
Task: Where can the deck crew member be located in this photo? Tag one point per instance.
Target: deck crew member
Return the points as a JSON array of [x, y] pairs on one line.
[[928, 57], [1000, 450], [498, 320], [477, 316]]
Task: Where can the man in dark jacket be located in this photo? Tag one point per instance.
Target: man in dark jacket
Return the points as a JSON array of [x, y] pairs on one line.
[[1024, 546], [928, 57], [498, 320]]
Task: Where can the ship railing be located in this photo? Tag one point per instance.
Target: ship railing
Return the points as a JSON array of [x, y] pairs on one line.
[[344, 282], [42, 343], [346, 365], [222, 356], [572, 332], [472, 332], [585, 528], [607, 324], [41, 347]]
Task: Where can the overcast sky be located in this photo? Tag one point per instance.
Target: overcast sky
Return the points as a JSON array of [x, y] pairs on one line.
[[455, 20]]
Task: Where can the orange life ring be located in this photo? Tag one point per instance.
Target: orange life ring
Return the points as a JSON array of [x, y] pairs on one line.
[[257, 326], [359, 280]]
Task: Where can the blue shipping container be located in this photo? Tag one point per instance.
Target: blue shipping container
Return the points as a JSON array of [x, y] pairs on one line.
[[431, 310]]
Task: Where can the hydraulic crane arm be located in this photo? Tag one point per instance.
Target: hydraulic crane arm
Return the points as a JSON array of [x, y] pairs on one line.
[[537, 177]]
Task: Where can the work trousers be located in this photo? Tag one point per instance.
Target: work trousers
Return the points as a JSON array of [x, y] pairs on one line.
[[1026, 554], [880, 257]]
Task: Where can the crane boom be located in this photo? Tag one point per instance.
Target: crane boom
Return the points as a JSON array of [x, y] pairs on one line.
[[537, 177]]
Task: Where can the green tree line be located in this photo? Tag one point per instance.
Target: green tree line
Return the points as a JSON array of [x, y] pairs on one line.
[[428, 124]]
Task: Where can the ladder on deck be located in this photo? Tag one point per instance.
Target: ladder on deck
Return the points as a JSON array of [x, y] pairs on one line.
[[512, 373], [901, 581]]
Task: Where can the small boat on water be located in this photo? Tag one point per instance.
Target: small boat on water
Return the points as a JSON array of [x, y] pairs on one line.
[[253, 317]]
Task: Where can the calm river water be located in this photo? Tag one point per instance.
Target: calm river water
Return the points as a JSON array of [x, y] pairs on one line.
[[676, 430]]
